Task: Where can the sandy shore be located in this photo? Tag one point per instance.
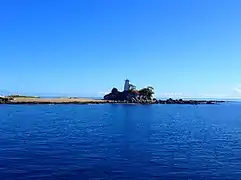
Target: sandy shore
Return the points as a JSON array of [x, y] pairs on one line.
[[27, 100]]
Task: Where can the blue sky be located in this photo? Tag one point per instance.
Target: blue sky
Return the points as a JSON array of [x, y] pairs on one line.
[[185, 48]]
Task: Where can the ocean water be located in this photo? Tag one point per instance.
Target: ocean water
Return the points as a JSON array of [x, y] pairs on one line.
[[120, 141]]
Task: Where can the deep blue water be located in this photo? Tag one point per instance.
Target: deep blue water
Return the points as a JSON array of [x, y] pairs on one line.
[[120, 141]]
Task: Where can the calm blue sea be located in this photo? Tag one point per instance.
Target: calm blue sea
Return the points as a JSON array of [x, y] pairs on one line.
[[120, 141]]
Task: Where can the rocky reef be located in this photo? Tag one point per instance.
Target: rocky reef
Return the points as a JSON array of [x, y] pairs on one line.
[[144, 96], [180, 101]]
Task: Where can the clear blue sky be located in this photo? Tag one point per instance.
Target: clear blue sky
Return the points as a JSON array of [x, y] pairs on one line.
[[188, 48]]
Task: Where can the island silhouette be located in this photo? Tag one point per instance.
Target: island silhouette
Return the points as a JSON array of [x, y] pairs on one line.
[[130, 94]]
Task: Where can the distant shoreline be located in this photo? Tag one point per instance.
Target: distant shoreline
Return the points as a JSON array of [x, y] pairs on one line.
[[39, 100]]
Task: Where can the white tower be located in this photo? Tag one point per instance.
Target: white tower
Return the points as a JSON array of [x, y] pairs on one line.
[[127, 85]]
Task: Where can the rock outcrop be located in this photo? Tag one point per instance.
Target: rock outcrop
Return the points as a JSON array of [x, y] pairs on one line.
[[4, 100], [125, 96]]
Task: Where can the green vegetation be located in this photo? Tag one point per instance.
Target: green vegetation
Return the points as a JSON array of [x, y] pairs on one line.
[[21, 96], [147, 92]]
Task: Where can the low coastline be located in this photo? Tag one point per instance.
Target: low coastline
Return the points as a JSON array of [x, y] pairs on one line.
[[38, 100]]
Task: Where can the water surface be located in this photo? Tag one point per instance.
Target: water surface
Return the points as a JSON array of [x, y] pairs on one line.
[[120, 141]]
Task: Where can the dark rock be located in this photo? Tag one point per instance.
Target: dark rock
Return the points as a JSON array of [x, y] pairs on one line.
[[126, 96], [210, 102], [4, 100], [114, 90]]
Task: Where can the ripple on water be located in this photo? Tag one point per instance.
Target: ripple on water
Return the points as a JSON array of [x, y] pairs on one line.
[[119, 141]]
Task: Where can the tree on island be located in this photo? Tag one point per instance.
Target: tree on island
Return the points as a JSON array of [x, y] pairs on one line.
[[147, 92], [132, 88]]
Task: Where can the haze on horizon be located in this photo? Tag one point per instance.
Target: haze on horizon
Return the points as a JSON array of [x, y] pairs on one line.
[[182, 48]]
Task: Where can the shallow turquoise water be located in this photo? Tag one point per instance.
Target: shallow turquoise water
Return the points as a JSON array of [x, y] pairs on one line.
[[120, 141]]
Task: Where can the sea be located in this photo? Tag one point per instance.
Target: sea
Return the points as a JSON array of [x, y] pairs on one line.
[[120, 141]]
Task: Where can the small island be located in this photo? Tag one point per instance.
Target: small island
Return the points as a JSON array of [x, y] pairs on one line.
[[130, 95], [145, 96]]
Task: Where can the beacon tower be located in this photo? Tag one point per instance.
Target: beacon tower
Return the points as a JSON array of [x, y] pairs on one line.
[[127, 85]]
